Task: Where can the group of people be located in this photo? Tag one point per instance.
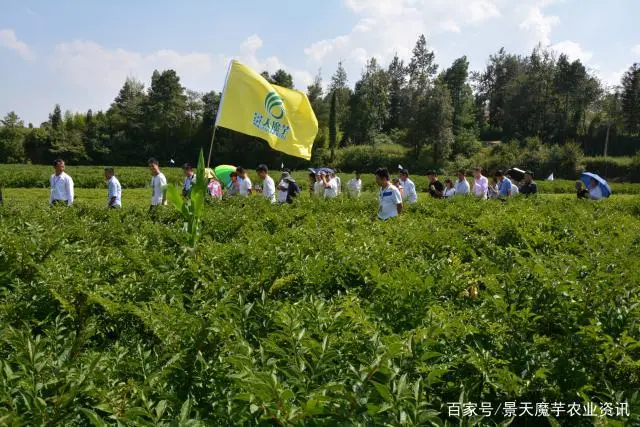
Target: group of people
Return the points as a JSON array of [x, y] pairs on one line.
[[393, 193]]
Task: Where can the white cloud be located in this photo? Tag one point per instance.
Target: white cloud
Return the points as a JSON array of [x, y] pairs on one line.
[[9, 40], [636, 50], [539, 25], [573, 50], [450, 25]]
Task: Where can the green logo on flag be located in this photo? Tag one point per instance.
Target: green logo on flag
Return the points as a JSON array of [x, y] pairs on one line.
[[274, 105]]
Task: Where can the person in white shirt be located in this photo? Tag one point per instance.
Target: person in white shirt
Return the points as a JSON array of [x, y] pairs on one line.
[[158, 184], [245, 183], [480, 185], [189, 179], [595, 192], [114, 189], [268, 185], [410, 194], [462, 185], [389, 198], [330, 186], [61, 186], [449, 190], [354, 186], [318, 187], [338, 181]]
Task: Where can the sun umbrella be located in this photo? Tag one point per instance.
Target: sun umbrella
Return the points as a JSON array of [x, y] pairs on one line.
[[516, 173], [586, 178], [223, 172]]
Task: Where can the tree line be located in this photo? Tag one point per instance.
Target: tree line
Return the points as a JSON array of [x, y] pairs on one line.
[[435, 113]]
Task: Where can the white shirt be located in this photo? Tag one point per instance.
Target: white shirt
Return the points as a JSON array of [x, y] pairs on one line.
[[269, 189], [449, 192], [595, 193], [338, 183], [245, 186], [514, 190], [282, 194], [61, 188], [157, 192], [318, 188], [481, 187], [331, 189], [409, 191], [462, 187], [114, 190], [389, 199], [354, 186]]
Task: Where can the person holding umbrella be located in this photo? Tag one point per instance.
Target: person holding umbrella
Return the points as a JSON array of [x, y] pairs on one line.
[[597, 186]]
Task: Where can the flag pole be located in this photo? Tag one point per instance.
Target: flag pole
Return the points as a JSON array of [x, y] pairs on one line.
[[215, 125]]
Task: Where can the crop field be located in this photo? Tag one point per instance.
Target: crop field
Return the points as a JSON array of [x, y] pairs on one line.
[[316, 314]]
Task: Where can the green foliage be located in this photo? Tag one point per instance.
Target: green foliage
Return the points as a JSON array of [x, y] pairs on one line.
[[107, 320], [191, 208]]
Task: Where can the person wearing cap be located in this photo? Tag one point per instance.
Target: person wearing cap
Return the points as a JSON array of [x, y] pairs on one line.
[[480, 185], [189, 179], [354, 186], [268, 189], [410, 194], [462, 185], [528, 186], [389, 197], [244, 188], [330, 186], [436, 188], [288, 189], [504, 185]]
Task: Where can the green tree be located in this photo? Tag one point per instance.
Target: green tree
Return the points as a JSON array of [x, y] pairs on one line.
[[126, 120], [397, 73], [333, 125], [630, 99], [315, 93], [166, 109], [282, 78], [12, 139], [369, 104], [338, 85]]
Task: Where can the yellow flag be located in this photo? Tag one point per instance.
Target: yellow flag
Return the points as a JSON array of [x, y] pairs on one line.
[[283, 117]]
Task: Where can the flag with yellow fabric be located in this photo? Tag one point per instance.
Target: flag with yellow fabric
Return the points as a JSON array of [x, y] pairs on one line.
[[283, 117]]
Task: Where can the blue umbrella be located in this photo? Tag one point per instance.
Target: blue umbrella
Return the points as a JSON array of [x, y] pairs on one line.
[[586, 178], [318, 170]]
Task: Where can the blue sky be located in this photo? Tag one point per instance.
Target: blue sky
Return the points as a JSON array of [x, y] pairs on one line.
[[79, 53]]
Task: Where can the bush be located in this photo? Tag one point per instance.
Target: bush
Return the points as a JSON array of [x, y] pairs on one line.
[[367, 159]]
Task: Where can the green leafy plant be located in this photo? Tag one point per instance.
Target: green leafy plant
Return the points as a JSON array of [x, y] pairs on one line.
[[191, 208]]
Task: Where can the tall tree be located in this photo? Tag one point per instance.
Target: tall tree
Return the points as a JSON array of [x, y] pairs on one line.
[[316, 99], [333, 124], [126, 119], [455, 78], [631, 100], [369, 105], [166, 107], [338, 85], [55, 118], [397, 73], [422, 67]]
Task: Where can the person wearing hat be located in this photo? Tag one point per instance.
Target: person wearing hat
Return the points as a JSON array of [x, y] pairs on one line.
[[528, 186], [288, 189], [214, 187], [436, 188]]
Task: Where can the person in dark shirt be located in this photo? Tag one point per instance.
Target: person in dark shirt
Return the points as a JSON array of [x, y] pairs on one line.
[[581, 192], [529, 185], [436, 188]]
